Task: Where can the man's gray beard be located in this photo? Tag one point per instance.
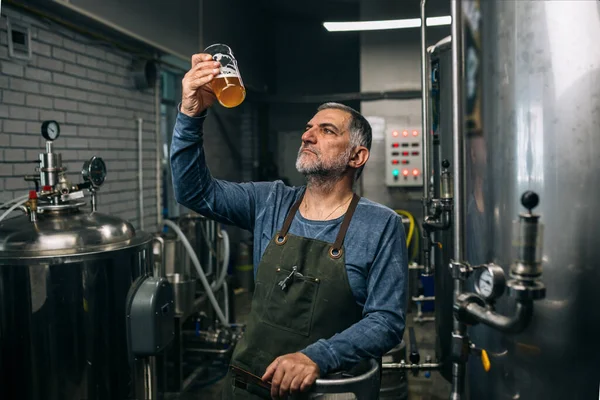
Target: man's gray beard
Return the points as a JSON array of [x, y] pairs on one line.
[[324, 176]]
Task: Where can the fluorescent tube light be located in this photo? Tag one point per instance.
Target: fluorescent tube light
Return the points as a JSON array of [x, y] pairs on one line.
[[387, 24]]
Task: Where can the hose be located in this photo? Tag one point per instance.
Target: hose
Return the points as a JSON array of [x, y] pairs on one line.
[[13, 200], [411, 228], [217, 284], [19, 203], [209, 291]]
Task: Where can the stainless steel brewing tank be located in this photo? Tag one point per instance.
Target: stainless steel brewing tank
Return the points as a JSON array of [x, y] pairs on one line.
[[441, 99], [64, 280], [539, 65], [203, 235]]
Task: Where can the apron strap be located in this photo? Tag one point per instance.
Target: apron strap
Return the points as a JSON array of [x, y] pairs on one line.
[[336, 250], [282, 237]]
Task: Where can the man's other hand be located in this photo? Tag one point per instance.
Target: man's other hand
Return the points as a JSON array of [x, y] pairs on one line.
[[291, 373]]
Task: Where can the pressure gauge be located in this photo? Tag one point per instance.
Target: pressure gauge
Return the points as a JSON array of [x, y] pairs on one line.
[[50, 130], [490, 281], [94, 171]]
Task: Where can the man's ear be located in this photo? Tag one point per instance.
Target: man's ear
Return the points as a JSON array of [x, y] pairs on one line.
[[359, 157]]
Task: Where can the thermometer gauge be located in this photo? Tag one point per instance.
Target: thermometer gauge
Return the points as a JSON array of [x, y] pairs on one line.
[[50, 130]]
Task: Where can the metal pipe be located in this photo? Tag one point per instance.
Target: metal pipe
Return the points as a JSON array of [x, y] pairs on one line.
[[425, 140], [515, 324], [424, 107], [406, 94], [210, 351], [140, 173], [418, 367], [162, 271], [439, 222], [442, 45], [158, 153], [94, 201], [457, 131], [458, 381], [150, 384], [459, 328], [423, 298]]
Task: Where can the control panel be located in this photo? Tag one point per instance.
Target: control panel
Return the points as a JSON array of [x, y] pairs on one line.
[[403, 156]]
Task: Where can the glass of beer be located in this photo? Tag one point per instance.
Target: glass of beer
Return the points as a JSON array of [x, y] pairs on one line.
[[227, 85]]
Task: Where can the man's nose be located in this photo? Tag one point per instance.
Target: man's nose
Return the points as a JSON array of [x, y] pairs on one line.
[[309, 135]]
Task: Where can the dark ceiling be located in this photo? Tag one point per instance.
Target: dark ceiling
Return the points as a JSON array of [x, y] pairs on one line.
[[344, 10]]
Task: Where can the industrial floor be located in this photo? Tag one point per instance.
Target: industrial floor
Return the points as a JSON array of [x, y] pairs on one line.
[[420, 388]]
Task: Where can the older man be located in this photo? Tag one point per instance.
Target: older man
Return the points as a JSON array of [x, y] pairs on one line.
[[330, 266]]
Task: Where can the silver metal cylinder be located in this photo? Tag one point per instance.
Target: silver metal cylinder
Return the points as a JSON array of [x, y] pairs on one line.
[[442, 150], [458, 217], [539, 74], [459, 329], [94, 200], [425, 107], [528, 240], [458, 381], [50, 166], [446, 186]]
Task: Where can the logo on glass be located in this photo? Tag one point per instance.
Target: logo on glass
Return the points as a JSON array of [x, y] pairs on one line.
[[228, 86]]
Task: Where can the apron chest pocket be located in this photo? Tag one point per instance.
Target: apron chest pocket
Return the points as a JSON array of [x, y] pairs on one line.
[[291, 302]]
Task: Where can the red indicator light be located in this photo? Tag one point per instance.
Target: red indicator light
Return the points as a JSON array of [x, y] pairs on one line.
[[415, 133], [415, 153], [405, 172], [405, 153], [404, 161], [395, 133], [395, 144], [415, 172], [394, 162], [405, 133]]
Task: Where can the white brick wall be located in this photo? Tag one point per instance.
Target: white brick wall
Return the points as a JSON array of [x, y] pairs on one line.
[[86, 87]]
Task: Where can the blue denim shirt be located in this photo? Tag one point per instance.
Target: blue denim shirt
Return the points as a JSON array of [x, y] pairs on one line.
[[375, 244]]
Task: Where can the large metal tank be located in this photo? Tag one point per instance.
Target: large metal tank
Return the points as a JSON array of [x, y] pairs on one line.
[[441, 119], [80, 315], [64, 281], [537, 66]]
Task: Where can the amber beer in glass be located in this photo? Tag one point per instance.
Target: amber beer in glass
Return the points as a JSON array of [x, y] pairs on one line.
[[227, 85]]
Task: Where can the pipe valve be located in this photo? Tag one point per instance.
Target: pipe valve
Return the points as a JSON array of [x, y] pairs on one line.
[[446, 182], [526, 270]]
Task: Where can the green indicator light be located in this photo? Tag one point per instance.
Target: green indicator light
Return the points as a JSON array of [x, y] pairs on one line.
[[395, 172]]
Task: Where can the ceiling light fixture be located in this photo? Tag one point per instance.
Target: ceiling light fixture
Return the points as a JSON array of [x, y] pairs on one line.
[[386, 24]]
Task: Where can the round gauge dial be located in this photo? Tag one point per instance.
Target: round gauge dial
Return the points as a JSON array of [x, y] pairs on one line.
[[50, 130], [486, 283], [94, 171], [490, 281]]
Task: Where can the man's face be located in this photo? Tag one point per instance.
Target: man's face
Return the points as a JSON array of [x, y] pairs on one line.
[[325, 148]]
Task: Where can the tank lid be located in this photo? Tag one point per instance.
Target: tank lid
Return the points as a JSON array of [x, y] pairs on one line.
[[72, 233]]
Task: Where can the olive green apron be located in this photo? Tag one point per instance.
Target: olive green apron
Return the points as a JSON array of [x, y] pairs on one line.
[[302, 294]]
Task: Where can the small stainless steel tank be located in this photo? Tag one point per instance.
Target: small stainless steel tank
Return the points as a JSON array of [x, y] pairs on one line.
[[81, 316]]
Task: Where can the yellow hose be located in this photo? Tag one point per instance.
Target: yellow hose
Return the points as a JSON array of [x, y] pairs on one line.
[[411, 227]]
